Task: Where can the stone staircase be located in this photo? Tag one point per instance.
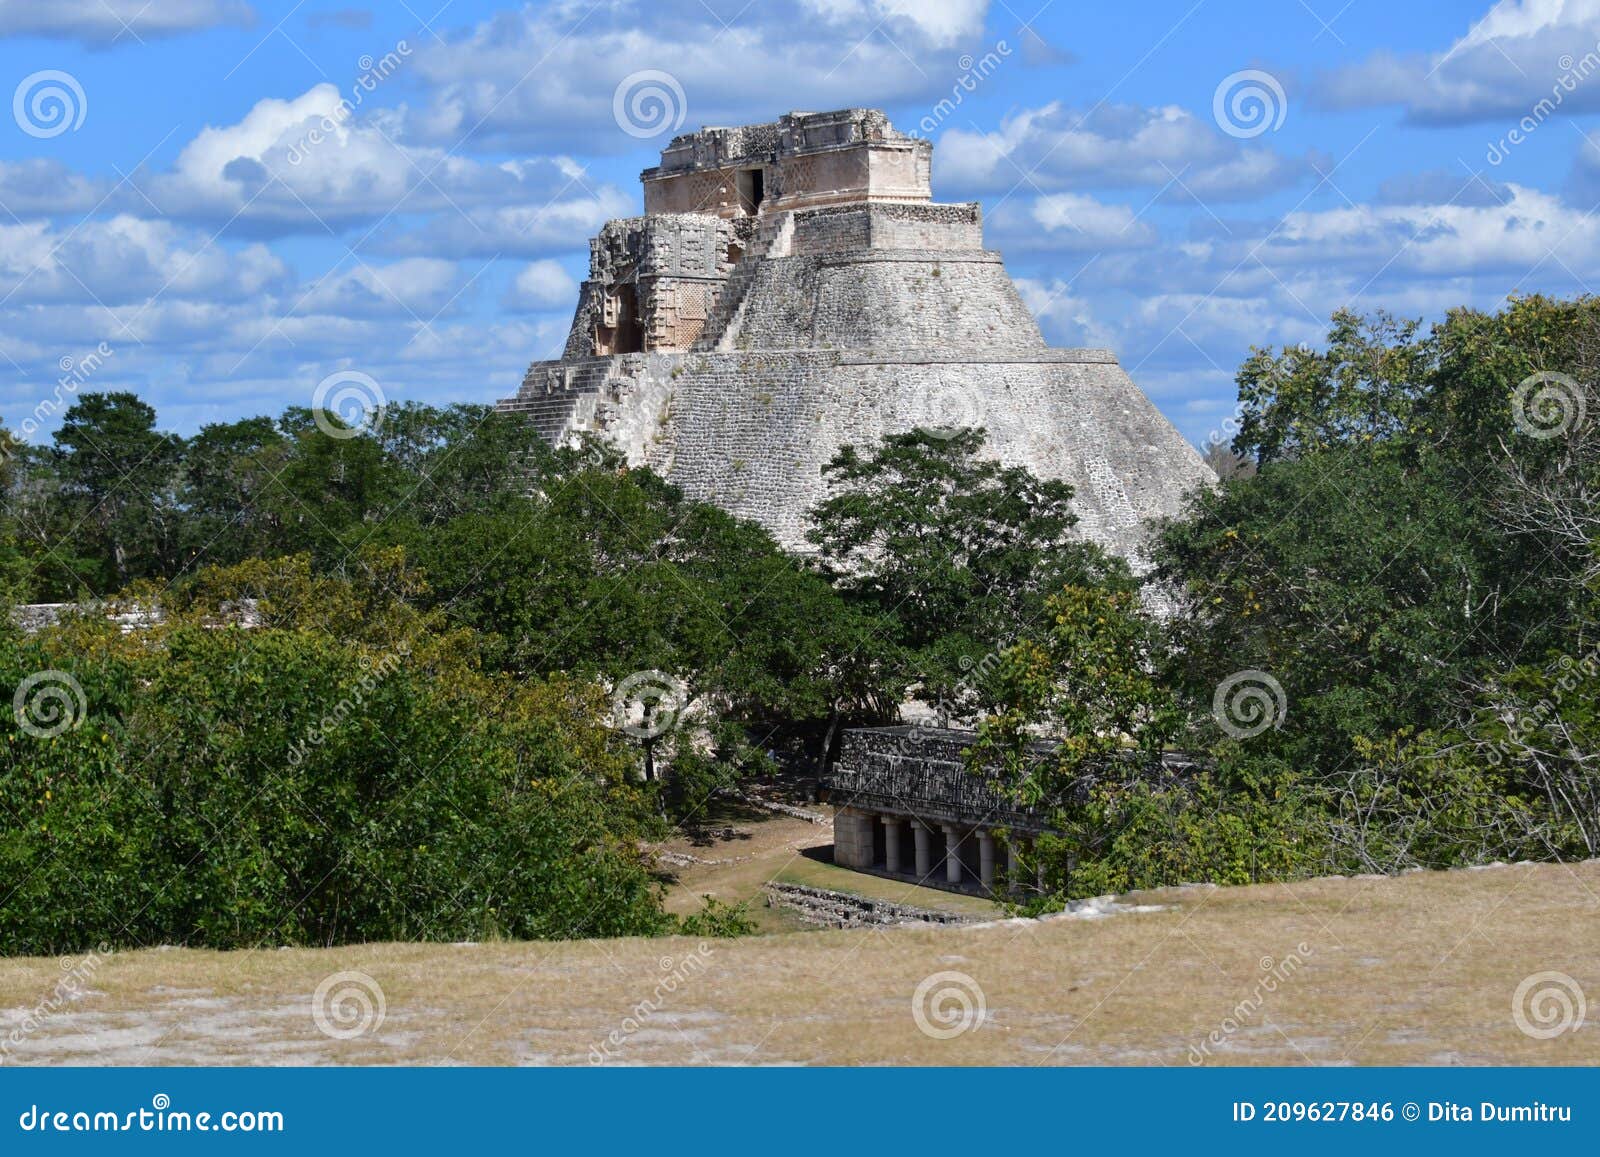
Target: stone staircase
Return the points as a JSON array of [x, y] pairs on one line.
[[772, 239], [550, 392], [596, 393]]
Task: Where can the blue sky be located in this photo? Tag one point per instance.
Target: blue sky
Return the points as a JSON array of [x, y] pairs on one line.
[[177, 204]]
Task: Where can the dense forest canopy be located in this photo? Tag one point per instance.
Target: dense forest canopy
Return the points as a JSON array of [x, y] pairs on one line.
[[372, 689]]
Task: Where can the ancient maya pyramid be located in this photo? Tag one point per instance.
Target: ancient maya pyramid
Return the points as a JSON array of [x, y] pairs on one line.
[[793, 287]]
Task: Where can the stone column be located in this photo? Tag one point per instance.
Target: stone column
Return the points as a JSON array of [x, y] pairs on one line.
[[952, 854], [924, 839], [891, 844], [1013, 864], [986, 860], [852, 837]]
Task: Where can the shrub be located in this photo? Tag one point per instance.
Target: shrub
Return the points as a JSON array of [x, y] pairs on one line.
[[225, 788]]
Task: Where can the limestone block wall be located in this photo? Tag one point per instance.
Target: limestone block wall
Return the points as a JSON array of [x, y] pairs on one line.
[[849, 307], [751, 431], [853, 838], [877, 299], [921, 772], [820, 178], [851, 228], [701, 191], [625, 397], [804, 159], [927, 226], [903, 172], [830, 231]]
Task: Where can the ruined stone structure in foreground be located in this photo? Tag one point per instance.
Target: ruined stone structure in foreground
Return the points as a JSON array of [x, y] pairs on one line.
[[792, 287], [907, 805]]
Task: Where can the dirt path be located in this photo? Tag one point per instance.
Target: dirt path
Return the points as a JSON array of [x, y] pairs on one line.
[[741, 850], [1420, 969]]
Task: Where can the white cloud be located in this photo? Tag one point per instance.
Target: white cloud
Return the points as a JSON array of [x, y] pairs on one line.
[[940, 22], [1183, 323], [126, 259], [101, 22], [39, 186], [1092, 223], [414, 287], [1067, 318], [541, 286], [1521, 53], [307, 165], [1067, 222], [1428, 241], [516, 230], [1112, 146], [1522, 19], [545, 76]]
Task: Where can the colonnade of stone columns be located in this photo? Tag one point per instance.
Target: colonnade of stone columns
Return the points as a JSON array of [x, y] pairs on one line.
[[856, 844]]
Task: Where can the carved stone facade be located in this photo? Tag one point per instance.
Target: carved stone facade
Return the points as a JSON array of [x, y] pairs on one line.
[[793, 288], [652, 282], [907, 805], [798, 162]]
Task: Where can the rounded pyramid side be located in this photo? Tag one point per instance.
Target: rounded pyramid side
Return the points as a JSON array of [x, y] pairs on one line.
[[752, 431]]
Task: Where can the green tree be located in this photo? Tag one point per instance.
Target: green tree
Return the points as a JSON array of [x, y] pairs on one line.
[[117, 500], [955, 550], [345, 771], [1370, 565], [228, 468], [1364, 388], [13, 567]]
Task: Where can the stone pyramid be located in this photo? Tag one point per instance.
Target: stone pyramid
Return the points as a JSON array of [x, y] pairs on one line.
[[791, 288]]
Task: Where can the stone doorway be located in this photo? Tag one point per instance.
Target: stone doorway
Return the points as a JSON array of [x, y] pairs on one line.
[[751, 187], [621, 331]]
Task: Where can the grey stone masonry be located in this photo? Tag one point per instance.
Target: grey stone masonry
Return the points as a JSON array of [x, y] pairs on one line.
[[791, 289], [964, 825], [920, 773]]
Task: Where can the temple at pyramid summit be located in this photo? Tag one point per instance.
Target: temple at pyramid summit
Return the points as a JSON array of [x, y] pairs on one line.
[[792, 288]]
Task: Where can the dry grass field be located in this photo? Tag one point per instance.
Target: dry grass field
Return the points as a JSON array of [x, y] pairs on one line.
[[1420, 969]]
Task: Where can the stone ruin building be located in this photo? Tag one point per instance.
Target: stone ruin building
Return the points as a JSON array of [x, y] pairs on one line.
[[906, 805], [792, 288]]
